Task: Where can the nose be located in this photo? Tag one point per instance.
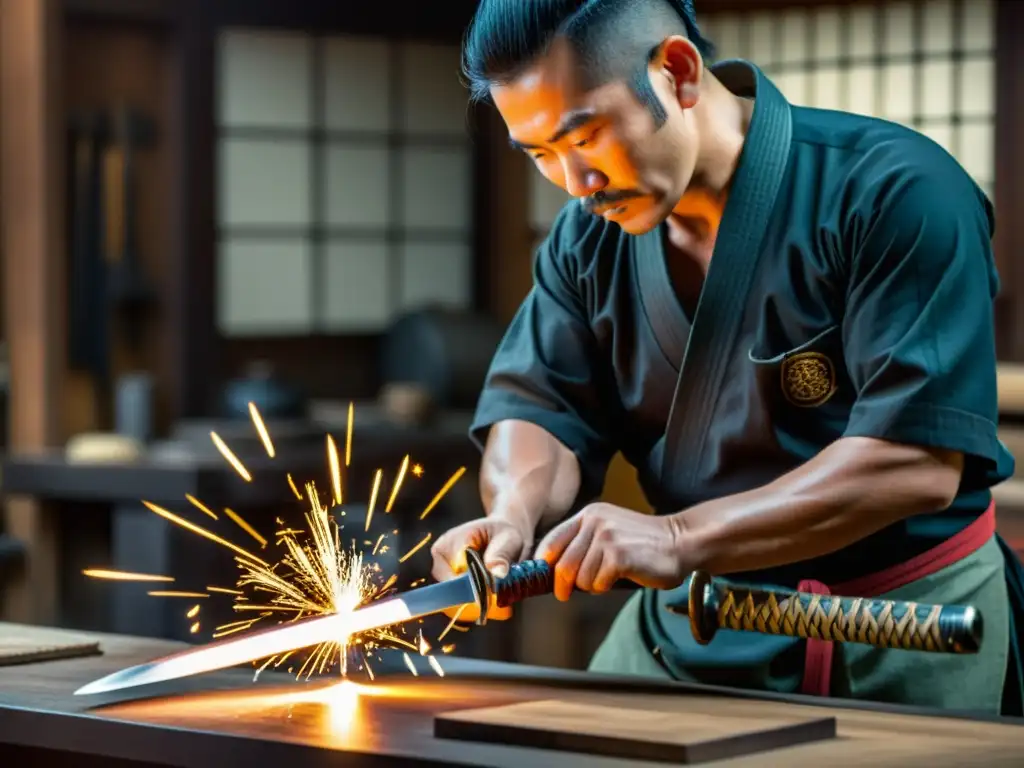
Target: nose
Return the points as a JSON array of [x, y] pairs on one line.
[[582, 181]]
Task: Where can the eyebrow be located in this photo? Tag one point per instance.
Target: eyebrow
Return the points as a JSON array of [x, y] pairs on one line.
[[572, 121]]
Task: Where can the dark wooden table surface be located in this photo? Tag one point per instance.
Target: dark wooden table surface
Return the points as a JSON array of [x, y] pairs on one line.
[[225, 719]]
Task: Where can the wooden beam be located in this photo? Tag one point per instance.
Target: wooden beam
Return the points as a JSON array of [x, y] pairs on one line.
[[31, 196], [1009, 194], [155, 11]]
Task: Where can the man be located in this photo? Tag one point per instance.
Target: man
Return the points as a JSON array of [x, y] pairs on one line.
[[783, 317]]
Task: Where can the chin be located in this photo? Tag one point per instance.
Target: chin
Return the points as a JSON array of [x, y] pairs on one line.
[[643, 220]]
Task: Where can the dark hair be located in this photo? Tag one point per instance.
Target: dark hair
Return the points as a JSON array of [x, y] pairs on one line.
[[614, 39]]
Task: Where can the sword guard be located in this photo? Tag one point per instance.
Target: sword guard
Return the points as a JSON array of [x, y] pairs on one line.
[[482, 582], [529, 578]]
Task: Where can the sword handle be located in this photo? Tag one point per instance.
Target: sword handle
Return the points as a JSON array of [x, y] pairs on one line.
[[715, 604], [530, 578]]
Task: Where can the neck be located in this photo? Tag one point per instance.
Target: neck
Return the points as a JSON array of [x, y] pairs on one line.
[[722, 121]]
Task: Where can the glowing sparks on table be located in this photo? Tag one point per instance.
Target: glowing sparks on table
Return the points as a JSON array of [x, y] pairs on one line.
[[315, 573]]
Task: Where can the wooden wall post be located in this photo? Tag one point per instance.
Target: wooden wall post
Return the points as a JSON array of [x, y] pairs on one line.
[[32, 245]]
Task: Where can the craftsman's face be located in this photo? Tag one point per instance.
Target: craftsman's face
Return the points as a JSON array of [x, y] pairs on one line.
[[601, 144]]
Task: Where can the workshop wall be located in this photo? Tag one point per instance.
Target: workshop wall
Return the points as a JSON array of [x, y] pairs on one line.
[[110, 68]]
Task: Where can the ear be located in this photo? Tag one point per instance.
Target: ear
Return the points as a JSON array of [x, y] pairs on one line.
[[679, 60]]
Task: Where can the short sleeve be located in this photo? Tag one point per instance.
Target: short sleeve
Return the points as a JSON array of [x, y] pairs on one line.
[[918, 331], [548, 369]]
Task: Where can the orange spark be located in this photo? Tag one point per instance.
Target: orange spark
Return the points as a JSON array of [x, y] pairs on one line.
[[177, 594], [261, 429], [398, 484], [375, 546], [409, 664], [201, 531], [230, 629], [373, 498], [194, 628], [295, 490], [99, 573], [332, 458], [348, 435], [224, 590], [233, 460], [192, 612], [200, 506], [415, 549], [417, 470], [444, 489], [237, 519], [433, 662], [451, 624]]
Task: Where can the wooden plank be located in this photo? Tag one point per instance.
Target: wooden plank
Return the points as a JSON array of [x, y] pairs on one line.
[[20, 644], [31, 209], [644, 734]]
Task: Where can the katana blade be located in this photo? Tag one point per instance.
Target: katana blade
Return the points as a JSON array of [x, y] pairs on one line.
[[712, 604], [263, 644]]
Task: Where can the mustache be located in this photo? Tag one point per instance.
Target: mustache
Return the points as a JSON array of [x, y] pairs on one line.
[[603, 199]]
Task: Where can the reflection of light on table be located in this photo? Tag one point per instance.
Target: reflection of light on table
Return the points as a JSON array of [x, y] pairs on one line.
[[335, 714], [341, 707], [343, 711]]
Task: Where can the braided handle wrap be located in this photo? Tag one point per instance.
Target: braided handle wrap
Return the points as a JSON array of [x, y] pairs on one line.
[[530, 578], [881, 623]]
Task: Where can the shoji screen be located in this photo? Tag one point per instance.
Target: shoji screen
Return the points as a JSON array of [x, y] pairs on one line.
[[345, 182], [926, 64]]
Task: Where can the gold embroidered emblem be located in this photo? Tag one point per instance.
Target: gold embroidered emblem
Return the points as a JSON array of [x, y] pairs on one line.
[[808, 379]]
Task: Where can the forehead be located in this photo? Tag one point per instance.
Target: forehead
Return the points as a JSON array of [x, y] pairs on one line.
[[535, 102]]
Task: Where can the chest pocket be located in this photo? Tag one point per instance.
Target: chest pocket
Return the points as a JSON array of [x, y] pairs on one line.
[[806, 390]]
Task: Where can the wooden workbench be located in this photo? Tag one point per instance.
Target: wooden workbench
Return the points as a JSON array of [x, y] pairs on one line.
[[226, 719]]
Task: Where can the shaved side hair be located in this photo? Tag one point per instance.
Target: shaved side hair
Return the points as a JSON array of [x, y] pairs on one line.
[[613, 40]]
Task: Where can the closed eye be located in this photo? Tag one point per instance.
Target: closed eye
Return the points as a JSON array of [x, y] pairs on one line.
[[588, 140]]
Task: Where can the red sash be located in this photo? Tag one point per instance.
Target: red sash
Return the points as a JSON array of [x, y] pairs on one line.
[[818, 661]]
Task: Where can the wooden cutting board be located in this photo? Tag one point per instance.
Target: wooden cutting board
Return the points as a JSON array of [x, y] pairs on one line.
[[677, 737], [20, 644]]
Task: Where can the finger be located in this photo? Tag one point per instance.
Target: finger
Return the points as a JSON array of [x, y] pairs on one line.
[[449, 551], [589, 569], [610, 571], [558, 538], [466, 614], [470, 613], [502, 550], [441, 569], [568, 564], [499, 614]]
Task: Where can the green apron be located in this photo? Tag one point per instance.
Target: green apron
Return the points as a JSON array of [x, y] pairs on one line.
[[946, 681]]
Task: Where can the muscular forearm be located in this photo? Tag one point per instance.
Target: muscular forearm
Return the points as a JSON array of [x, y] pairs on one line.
[[852, 489], [527, 476]]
